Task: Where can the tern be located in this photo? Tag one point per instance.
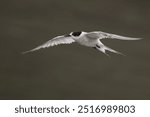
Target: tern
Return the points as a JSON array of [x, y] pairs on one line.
[[89, 39]]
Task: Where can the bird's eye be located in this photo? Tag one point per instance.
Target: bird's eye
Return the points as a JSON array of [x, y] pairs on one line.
[[76, 34]]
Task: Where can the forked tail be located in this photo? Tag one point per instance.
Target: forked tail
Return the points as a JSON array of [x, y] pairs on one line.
[[101, 47]]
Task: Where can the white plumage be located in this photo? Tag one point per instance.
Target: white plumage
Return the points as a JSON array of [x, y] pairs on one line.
[[89, 39]]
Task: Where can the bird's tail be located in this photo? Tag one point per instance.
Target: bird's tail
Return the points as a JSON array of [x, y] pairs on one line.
[[103, 49]]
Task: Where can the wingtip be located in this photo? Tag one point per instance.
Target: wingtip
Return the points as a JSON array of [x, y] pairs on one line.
[[140, 38], [130, 38], [137, 38], [124, 37], [29, 51], [25, 52]]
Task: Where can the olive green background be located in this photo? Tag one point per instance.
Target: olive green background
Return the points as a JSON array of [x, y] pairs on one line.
[[74, 71]]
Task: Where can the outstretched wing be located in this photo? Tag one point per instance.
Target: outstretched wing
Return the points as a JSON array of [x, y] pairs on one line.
[[103, 35], [55, 41]]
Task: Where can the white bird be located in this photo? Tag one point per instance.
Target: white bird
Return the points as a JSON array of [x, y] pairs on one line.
[[89, 39]]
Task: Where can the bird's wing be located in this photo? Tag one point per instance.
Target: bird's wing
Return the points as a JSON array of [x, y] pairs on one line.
[[55, 41], [103, 35]]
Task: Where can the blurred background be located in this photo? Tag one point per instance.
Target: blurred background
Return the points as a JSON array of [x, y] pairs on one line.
[[74, 71]]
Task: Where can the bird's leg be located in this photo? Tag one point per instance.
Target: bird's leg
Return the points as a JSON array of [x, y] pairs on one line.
[[98, 46]]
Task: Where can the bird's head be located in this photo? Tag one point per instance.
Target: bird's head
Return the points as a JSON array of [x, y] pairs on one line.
[[76, 35]]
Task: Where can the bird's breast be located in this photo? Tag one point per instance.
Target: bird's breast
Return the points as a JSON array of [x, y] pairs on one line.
[[86, 42]]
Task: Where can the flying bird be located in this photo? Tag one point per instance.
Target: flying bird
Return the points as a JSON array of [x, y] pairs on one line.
[[89, 39]]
